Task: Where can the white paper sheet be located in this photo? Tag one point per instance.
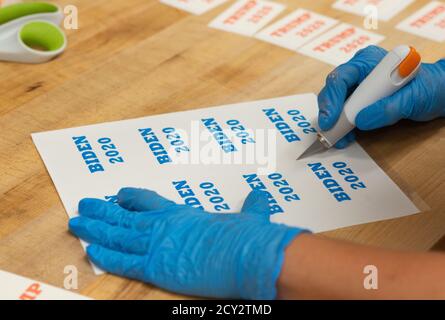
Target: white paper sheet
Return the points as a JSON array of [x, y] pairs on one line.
[[428, 22], [296, 29], [334, 189], [386, 9], [339, 44], [194, 6], [14, 287], [246, 17]]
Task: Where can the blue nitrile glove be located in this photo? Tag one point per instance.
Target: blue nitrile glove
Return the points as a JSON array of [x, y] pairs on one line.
[[186, 250], [422, 99]]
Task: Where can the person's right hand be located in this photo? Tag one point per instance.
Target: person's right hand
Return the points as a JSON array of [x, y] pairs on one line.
[[422, 99]]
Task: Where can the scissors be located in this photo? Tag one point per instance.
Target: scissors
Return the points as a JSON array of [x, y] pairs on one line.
[[30, 32]]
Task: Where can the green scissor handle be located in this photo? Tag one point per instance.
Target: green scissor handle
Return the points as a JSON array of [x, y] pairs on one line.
[[29, 32], [42, 35], [19, 10]]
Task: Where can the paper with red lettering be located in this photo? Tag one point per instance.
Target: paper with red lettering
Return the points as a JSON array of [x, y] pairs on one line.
[[428, 22], [194, 6], [246, 17], [14, 287], [296, 29], [385, 9], [340, 44]]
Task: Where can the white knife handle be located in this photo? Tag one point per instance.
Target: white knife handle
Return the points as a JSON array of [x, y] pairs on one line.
[[395, 70]]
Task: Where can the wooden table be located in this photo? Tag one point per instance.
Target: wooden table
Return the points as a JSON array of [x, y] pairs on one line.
[[136, 58]]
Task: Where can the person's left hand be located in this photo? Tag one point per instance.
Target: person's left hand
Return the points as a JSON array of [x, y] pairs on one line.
[[186, 250]]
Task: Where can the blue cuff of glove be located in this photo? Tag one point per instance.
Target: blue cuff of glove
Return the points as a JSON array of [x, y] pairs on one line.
[[290, 236], [262, 267]]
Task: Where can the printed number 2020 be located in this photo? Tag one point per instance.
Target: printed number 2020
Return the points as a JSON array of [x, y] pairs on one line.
[[110, 150], [214, 196], [349, 175]]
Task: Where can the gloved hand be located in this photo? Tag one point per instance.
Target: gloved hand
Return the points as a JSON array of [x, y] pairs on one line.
[[183, 249], [422, 99]]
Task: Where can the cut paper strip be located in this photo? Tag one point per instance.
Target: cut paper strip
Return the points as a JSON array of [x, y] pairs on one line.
[[14, 287], [296, 29], [384, 9], [246, 17], [194, 6], [428, 22], [339, 44]]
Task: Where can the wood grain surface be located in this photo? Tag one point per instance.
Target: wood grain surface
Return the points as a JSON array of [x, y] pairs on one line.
[[136, 58]]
